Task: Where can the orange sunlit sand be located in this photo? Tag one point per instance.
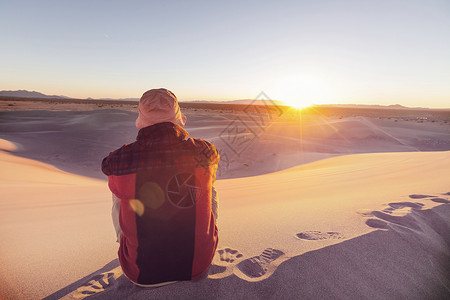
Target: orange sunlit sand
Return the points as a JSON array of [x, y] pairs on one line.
[[348, 206]]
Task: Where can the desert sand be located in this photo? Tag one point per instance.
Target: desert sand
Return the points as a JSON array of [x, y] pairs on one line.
[[315, 207]]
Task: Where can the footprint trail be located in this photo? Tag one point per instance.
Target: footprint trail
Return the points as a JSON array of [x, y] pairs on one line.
[[229, 261], [401, 215]]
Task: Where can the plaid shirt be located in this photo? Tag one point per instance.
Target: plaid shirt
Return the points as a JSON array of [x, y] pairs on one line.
[[164, 182], [162, 145]]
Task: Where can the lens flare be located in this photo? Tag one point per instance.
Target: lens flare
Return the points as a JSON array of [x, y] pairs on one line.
[[137, 206], [151, 195]]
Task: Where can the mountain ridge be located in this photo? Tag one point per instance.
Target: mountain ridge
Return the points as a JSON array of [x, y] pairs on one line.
[[35, 94]]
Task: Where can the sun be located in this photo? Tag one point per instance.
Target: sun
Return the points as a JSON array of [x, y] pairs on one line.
[[298, 104], [304, 90]]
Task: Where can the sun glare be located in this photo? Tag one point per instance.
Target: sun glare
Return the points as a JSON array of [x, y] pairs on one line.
[[297, 104], [301, 91]]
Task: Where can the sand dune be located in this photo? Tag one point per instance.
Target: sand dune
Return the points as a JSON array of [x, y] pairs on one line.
[[344, 224], [317, 205], [75, 141], [51, 225]]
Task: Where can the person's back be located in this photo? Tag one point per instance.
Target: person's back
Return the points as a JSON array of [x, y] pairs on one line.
[[165, 183]]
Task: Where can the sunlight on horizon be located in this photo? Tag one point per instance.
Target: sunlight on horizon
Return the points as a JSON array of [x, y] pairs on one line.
[[297, 105], [304, 90]]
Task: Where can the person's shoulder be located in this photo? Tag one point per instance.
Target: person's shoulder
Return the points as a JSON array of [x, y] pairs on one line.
[[205, 150], [201, 143], [114, 162]]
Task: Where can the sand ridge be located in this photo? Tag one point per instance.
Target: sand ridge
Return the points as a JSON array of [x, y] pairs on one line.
[[76, 141]]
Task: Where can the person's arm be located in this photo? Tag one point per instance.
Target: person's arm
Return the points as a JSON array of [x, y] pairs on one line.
[[115, 216], [215, 203]]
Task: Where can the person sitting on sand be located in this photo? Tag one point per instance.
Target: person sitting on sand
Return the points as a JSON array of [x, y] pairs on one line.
[[164, 200]]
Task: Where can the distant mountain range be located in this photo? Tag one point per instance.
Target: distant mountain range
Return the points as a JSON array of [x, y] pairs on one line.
[[393, 106], [34, 94], [241, 101], [28, 94]]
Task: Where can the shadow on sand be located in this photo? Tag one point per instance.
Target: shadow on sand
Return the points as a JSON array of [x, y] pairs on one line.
[[402, 262], [73, 141]]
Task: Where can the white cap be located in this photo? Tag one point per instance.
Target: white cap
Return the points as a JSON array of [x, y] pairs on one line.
[[157, 106]]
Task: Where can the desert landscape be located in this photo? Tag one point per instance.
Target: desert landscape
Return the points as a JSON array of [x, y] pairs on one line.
[[321, 203], [331, 120]]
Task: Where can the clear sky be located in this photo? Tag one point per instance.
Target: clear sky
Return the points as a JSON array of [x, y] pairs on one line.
[[367, 52]]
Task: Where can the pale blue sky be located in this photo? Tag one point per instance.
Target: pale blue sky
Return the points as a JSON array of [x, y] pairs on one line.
[[369, 52]]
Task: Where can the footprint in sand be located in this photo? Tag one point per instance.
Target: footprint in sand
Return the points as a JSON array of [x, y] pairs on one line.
[[440, 200], [230, 261], [229, 255], [399, 205], [223, 264], [96, 284], [318, 235], [418, 196], [435, 199], [395, 216], [258, 266], [376, 223]]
